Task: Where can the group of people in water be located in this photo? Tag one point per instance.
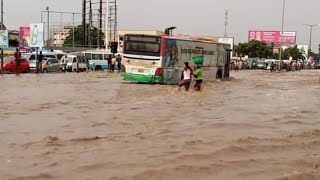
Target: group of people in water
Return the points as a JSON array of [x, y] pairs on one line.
[[188, 74], [114, 61]]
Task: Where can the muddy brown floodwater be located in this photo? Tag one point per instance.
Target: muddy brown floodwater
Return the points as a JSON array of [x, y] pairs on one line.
[[256, 126]]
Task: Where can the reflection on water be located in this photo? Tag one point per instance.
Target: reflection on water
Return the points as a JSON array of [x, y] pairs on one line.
[[257, 125]]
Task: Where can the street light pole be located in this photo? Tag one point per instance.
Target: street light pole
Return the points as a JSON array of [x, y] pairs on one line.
[[281, 35], [1, 29], [310, 40], [48, 33], [73, 41]]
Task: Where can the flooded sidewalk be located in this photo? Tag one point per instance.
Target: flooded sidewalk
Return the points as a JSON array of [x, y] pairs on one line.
[[258, 125]]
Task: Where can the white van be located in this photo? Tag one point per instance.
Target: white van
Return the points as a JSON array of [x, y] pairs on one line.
[[75, 63]]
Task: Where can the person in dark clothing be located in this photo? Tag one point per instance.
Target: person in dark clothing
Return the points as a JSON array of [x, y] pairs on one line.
[[272, 66], [119, 62], [219, 73], [40, 59], [110, 63]]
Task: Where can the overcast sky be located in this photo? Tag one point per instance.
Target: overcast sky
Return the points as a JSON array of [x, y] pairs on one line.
[[203, 17]]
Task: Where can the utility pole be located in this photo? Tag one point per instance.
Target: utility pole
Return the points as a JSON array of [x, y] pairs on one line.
[[90, 23], [310, 40], [226, 24], [1, 29], [100, 25], [48, 24], [115, 21], [281, 35], [73, 38], [84, 7]]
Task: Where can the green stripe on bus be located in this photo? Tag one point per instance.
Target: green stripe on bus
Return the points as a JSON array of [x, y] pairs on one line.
[[141, 78]]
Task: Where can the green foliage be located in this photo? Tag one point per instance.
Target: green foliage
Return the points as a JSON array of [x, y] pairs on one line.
[[293, 52], [78, 36], [254, 49]]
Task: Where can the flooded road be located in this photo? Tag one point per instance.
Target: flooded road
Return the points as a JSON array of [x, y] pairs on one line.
[[89, 126]]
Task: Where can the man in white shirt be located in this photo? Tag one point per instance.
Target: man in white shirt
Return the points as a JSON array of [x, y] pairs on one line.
[[186, 77]]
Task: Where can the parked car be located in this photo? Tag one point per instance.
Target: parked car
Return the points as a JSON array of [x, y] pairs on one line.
[[77, 63], [51, 65], [10, 66], [262, 64]]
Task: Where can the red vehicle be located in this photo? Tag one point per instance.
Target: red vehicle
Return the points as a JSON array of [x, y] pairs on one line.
[[10, 66]]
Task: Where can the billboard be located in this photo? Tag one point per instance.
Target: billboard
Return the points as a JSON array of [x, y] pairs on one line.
[[36, 35], [24, 37], [227, 41], [4, 39], [288, 38]]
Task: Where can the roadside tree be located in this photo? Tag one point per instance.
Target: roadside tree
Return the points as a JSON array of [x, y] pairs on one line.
[[78, 37]]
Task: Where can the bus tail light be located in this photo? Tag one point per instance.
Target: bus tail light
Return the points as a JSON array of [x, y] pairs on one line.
[[123, 69], [159, 72]]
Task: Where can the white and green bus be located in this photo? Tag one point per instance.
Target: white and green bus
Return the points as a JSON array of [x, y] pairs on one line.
[[98, 59], [160, 59]]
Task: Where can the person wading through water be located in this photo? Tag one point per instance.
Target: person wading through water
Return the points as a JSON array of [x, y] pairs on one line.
[[17, 56], [110, 62], [40, 59], [113, 63], [186, 77], [219, 73], [119, 62], [198, 75]]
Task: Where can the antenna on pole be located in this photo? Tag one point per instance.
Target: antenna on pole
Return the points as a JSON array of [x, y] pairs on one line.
[[226, 23]]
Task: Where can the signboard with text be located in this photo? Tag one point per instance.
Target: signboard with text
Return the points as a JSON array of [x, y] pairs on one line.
[[288, 38], [36, 35], [4, 39]]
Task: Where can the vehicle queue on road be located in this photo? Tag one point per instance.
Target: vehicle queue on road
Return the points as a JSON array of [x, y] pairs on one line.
[[58, 61]]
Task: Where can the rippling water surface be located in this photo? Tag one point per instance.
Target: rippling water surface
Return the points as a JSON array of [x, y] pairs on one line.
[[257, 125]]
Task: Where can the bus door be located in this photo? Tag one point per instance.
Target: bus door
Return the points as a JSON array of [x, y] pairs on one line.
[[172, 69], [172, 75]]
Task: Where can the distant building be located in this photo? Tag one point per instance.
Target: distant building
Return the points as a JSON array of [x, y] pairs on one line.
[[59, 35], [13, 34]]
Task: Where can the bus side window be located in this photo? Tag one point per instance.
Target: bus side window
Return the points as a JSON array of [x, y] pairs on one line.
[[105, 56], [100, 56], [95, 57], [88, 55]]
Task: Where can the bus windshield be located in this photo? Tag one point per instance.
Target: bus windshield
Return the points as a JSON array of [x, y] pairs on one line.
[[142, 45]]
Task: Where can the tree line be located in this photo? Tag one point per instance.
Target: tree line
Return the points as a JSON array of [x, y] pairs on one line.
[[257, 49]]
